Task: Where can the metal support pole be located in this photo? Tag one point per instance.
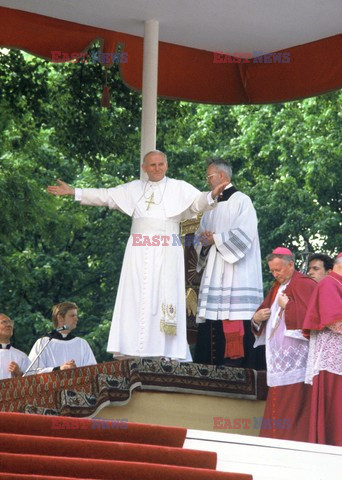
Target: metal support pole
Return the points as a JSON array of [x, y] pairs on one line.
[[149, 88]]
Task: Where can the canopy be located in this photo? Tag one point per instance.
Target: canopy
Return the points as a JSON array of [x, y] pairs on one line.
[[194, 36]]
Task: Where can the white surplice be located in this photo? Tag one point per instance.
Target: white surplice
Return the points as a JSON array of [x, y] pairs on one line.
[[231, 286], [152, 281], [12, 355], [60, 351]]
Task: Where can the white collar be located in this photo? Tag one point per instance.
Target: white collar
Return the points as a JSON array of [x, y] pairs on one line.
[[159, 183]]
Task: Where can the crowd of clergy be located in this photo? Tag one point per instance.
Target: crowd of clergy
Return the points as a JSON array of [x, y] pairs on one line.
[[300, 322]]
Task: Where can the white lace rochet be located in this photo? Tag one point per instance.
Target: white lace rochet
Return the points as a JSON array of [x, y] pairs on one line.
[[286, 350], [325, 353]]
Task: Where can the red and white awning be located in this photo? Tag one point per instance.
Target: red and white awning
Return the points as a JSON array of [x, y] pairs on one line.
[[182, 41]]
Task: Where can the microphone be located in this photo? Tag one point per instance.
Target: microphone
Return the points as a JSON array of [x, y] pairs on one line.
[[63, 327], [58, 329]]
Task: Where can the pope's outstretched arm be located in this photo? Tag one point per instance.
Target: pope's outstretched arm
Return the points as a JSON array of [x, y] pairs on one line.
[[61, 189], [204, 201]]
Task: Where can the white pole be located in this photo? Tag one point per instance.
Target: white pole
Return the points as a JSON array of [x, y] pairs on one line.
[[149, 88]]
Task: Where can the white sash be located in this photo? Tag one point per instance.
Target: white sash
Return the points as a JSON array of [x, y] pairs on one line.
[[154, 226]]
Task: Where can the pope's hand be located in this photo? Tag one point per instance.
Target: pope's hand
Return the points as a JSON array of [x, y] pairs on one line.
[[61, 189], [219, 189]]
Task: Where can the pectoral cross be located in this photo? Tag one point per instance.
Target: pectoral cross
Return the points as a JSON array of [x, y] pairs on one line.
[[277, 323], [150, 201]]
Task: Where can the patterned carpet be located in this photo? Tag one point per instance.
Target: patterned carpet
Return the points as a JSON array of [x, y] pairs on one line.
[[82, 391]]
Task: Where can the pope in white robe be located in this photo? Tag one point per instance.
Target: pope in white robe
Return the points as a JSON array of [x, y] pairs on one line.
[[149, 318]]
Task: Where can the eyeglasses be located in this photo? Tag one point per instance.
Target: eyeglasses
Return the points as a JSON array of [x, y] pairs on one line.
[[6, 322], [208, 176]]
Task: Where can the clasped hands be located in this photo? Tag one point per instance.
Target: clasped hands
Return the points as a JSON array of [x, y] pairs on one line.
[[207, 238], [68, 365]]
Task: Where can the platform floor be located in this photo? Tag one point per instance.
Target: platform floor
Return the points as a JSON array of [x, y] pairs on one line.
[[268, 459], [186, 410]]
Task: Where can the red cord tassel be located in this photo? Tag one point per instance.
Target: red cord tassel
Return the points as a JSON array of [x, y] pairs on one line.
[[105, 100]]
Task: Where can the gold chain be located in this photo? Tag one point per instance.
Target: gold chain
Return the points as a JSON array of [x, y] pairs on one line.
[[152, 195]]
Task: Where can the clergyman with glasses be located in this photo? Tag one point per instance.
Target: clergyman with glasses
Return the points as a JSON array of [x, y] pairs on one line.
[[13, 362], [231, 286]]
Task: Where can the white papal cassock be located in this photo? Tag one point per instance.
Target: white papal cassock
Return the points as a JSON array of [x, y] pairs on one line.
[[8, 355], [149, 317]]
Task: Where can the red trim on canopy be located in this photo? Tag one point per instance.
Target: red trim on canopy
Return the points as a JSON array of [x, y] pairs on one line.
[[187, 73]]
